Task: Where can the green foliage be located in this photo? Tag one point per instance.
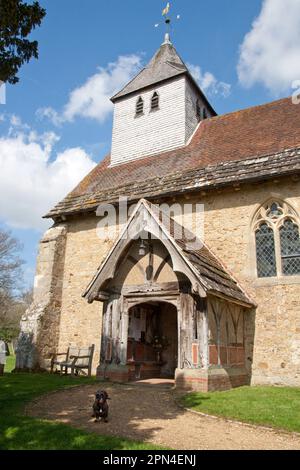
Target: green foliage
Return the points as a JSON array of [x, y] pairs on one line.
[[278, 407], [19, 432], [17, 19], [8, 333], [10, 363], [13, 302]]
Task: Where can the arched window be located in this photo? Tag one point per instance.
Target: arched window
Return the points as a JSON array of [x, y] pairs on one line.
[[265, 251], [139, 106], [290, 248], [154, 101], [277, 240]]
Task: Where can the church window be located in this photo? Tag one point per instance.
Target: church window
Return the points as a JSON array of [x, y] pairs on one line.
[[139, 106], [154, 101], [204, 113], [275, 211], [265, 251], [290, 248], [277, 239]]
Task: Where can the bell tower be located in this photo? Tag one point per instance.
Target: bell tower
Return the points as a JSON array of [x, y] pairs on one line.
[[159, 109]]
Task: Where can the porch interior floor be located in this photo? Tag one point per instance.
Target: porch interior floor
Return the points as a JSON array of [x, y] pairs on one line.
[[157, 382]]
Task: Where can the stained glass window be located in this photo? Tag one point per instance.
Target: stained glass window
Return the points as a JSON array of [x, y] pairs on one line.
[[265, 251], [290, 248]]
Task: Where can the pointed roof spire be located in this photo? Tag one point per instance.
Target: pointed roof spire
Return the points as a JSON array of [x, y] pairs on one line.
[[165, 64]]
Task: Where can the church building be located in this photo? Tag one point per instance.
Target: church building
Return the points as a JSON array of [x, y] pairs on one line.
[[200, 280]]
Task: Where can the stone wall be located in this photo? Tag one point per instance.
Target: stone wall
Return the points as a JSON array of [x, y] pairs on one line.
[[41, 323], [80, 322], [228, 217]]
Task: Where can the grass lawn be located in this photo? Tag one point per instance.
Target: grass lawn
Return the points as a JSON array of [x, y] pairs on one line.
[[270, 406], [10, 363], [25, 433]]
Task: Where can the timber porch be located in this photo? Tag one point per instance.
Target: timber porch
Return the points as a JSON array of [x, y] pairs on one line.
[[169, 311]]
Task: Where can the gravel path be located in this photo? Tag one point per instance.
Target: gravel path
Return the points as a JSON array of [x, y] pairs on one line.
[[149, 413]]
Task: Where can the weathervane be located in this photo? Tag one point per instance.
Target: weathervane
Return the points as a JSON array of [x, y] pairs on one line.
[[165, 14]]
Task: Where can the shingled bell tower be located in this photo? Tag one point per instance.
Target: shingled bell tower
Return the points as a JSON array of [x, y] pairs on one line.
[[158, 110]]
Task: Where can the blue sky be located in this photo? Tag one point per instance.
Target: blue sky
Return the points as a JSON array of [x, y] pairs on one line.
[[50, 137]]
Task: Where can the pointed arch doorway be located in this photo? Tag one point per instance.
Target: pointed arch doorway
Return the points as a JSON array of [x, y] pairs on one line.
[[152, 341]]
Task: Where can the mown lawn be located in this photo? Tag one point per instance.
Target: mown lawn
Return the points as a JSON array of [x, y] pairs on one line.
[[270, 406], [25, 433], [10, 363]]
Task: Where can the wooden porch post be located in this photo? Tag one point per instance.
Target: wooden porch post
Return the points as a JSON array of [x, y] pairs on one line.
[[204, 338], [186, 329], [179, 357], [124, 332]]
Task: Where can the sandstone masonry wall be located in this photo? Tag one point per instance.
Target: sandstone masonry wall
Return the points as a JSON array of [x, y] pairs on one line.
[[80, 322], [227, 221], [41, 323]]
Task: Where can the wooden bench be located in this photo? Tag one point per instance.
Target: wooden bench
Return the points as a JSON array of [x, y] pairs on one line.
[[76, 359]]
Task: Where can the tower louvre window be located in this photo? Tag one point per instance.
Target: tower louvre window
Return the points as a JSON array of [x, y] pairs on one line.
[[198, 110], [204, 113], [155, 101], [139, 106]]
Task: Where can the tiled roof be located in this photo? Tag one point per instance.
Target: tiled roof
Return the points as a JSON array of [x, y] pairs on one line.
[[255, 143], [212, 273]]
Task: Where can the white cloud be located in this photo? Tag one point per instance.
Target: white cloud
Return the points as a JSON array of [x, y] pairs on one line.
[[92, 99], [15, 120], [270, 52], [208, 82], [51, 114], [32, 179]]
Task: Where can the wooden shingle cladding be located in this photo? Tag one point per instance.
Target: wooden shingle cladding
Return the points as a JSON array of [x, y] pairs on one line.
[[205, 272], [246, 146]]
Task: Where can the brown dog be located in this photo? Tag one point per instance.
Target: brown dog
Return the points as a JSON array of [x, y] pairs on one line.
[[100, 406]]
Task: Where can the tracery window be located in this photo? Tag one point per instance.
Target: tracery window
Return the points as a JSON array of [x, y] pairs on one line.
[[277, 240]]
